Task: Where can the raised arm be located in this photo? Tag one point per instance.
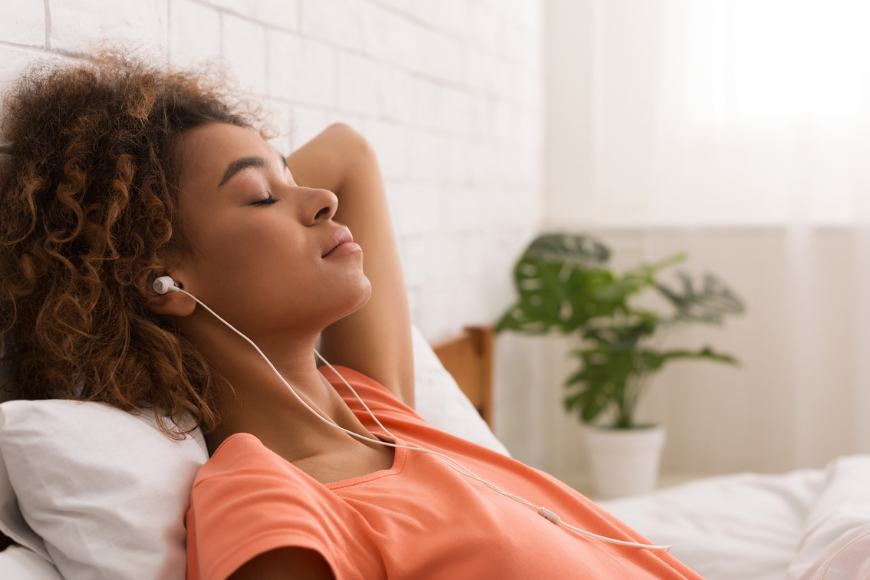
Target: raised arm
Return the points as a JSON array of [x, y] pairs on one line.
[[376, 339]]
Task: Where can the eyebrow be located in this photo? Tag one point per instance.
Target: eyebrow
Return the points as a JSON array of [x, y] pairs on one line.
[[245, 163], [240, 164]]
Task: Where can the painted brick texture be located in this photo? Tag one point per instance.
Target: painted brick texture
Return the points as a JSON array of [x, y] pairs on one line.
[[449, 93]]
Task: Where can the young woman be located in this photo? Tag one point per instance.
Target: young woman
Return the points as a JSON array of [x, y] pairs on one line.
[[117, 174]]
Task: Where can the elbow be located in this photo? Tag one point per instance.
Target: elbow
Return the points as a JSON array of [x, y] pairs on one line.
[[352, 141]]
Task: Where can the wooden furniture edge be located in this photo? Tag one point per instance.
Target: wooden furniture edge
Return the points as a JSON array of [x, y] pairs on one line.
[[468, 357]]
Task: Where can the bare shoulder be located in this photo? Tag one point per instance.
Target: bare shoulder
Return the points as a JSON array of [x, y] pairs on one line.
[[283, 563]]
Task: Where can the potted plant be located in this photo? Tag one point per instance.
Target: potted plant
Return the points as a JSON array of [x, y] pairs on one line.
[[565, 287]]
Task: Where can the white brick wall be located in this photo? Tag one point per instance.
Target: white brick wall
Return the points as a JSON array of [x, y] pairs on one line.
[[26, 25], [75, 24], [449, 92]]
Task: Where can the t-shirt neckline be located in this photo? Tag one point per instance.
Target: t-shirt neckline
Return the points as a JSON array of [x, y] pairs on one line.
[[398, 460], [396, 468]]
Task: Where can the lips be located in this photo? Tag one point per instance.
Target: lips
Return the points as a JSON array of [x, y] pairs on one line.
[[340, 236]]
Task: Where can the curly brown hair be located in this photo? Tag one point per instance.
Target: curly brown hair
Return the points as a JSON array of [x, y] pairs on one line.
[[88, 190]]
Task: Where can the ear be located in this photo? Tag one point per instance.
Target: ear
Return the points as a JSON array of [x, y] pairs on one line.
[[172, 303]]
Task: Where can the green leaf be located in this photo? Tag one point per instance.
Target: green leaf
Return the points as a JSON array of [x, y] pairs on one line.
[[707, 304], [576, 400], [580, 250], [555, 278], [593, 407], [656, 360]]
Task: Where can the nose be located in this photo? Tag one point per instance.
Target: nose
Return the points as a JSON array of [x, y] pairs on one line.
[[320, 205]]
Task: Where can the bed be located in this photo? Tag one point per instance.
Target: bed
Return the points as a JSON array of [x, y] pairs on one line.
[[811, 523], [808, 524]]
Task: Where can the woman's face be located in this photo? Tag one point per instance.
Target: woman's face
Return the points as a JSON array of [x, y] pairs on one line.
[[258, 239]]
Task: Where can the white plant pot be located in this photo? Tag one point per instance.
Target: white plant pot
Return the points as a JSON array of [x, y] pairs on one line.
[[625, 461]]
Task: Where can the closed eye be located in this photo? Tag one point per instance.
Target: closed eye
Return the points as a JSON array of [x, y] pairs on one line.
[[268, 201]]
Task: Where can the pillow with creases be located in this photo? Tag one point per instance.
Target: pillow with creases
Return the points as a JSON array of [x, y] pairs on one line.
[[97, 491], [846, 559], [835, 539], [18, 562]]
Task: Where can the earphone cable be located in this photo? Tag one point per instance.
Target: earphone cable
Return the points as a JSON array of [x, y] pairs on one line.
[[543, 512]]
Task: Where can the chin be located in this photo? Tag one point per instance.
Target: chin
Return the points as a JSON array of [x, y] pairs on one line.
[[360, 296], [363, 295]]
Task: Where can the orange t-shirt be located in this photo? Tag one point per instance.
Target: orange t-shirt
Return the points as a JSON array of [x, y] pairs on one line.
[[419, 520]]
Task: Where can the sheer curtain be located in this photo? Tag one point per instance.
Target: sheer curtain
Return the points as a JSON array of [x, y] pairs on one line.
[[754, 114], [730, 111], [739, 131]]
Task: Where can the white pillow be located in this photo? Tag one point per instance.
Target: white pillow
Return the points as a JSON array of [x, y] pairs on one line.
[[105, 490], [12, 523], [442, 403], [18, 562]]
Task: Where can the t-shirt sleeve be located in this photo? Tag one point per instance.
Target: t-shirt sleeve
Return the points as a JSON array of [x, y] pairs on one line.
[[245, 503]]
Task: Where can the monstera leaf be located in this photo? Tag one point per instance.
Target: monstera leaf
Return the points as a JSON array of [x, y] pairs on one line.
[[707, 304], [565, 248], [555, 278]]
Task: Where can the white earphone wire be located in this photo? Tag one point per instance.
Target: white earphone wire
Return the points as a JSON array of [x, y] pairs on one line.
[[542, 511]]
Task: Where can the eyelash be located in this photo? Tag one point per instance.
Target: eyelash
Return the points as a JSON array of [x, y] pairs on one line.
[[268, 201]]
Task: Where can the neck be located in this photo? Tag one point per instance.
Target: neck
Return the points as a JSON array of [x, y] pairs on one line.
[[255, 400]]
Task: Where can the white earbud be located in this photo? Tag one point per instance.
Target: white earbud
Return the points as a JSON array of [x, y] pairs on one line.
[[165, 284]]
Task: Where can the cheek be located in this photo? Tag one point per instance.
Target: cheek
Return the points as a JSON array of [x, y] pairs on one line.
[[262, 275], [262, 258]]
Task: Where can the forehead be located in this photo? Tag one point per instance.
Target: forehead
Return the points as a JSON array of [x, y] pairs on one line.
[[204, 153]]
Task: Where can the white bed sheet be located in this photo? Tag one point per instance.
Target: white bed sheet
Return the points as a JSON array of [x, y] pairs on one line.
[[752, 526]]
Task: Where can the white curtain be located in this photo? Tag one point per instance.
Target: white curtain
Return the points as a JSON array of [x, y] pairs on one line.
[[739, 131], [730, 111], [754, 113]]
